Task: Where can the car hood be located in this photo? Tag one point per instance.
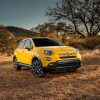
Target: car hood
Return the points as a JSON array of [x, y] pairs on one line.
[[56, 48]]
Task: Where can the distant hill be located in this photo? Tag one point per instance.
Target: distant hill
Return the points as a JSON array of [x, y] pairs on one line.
[[10, 36], [20, 32]]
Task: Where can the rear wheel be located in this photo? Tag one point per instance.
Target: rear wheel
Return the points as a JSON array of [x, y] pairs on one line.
[[37, 69], [15, 64]]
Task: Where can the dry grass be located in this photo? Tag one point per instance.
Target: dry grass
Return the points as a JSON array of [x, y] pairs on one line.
[[84, 84]]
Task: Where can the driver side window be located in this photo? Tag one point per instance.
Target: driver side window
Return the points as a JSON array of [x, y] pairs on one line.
[[29, 43]]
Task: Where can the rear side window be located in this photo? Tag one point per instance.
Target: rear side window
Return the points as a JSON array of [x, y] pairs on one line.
[[21, 45]]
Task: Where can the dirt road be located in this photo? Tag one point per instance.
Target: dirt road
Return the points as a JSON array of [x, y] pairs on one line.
[[84, 84]]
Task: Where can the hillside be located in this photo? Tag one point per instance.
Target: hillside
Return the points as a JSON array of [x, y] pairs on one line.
[[10, 36], [19, 32], [7, 41]]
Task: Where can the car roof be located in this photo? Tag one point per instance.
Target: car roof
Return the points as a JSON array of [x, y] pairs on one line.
[[40, 38], [37, 38]]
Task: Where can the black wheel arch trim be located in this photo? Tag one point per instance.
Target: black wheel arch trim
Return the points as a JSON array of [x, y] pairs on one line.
[[34, 57], [37, 58]]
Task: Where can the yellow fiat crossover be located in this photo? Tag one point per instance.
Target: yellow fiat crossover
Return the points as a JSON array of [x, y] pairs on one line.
[[45, 53]]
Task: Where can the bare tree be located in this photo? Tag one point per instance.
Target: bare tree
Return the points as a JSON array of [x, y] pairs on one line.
[[62, 27], [82, 15], [46, 28]]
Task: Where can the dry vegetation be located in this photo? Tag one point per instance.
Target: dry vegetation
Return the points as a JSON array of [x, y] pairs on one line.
[[9, 40], [81, 85]]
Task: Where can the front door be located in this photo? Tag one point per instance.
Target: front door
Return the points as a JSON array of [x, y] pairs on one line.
[[27, 54]]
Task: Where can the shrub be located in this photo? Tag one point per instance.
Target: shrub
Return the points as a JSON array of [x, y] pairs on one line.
[[89, 42]]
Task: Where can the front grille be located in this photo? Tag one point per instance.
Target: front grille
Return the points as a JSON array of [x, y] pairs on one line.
[[67, 55]]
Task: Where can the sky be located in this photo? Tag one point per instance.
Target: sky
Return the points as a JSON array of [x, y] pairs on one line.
[[24, 13]]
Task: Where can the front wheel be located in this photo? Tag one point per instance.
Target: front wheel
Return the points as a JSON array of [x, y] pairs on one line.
[[37, 69]]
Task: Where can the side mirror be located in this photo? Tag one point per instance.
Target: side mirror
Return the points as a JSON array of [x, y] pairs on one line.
[[26, 47]]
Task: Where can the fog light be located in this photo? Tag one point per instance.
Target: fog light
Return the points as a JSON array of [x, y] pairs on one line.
[[47, 58], [51, 64]]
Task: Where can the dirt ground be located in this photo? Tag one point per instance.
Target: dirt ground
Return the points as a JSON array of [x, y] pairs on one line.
[[83, 84]]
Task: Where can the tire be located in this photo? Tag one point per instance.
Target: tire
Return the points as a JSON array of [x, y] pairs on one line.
[[15, 64], [37, 69]]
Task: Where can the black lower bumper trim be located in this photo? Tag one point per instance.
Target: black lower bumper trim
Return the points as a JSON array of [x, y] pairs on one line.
[[66, 65]]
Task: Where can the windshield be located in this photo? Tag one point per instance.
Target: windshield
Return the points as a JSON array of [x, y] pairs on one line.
[[39, 42]]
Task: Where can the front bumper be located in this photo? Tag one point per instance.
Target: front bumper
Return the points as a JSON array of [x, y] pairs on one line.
[[65, 65]]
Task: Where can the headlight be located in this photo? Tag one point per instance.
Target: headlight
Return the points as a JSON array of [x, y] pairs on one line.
[[77, 50], [48, 52]]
